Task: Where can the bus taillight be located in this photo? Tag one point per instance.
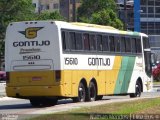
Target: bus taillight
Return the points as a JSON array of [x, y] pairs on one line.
[[58, 75], [7, 77]]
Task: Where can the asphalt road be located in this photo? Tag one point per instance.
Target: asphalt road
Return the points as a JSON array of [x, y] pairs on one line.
[[21, 109]]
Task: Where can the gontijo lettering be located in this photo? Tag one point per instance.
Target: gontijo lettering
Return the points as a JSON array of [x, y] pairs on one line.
[[99, 61], [31, 43]]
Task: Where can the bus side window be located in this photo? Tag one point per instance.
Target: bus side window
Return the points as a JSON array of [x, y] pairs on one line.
[[117, 44], [72, 40], [65, 41], [123, 46], [105, 43], [86, 41], [111, 43], [138, 46], [99, 42], [92, 42], [128, 44], [145, 43], [133, 44], [79, 41]]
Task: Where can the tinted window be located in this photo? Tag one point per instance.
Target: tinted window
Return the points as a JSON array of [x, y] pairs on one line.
[[99, 42], [65, 40], [123, 46], [138, 46], [72, 40], [143, 2], [147, 59], [78, 41], [146, 42], [111, 43], [86, 41], [105, 45], [128, 44], [92, 40], [117, 44], [133, 43]]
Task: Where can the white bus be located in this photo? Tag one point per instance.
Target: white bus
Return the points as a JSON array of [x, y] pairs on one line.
[[51, 60]]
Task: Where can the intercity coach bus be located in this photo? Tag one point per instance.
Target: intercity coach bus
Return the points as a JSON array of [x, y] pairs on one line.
[[50, 60]]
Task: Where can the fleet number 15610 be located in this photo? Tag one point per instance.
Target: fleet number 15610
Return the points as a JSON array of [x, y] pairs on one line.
[[31, 57], [71, 61]]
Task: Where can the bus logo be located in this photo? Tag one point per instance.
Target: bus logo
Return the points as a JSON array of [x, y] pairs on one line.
[[31, 32]]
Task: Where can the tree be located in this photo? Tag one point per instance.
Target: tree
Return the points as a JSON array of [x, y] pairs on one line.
[[46, 15], [13, 10], [20, 10], [106, 17], [101, 12]]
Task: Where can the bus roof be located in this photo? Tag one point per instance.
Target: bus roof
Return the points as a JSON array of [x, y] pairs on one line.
[[87, 26], [93, 25], [96, 27]]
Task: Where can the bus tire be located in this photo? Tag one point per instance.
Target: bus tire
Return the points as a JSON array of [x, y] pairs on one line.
[[43, 102], [49, 102], [35, 102], [92, 91], [99, 97], [81, 93], [137, 91]]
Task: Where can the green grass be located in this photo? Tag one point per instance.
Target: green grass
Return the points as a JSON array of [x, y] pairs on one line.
[[150, 106]]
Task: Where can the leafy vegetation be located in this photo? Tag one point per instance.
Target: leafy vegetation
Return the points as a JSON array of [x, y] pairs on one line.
[[46, 15], [13, 10], [102, 12], [20, 10]]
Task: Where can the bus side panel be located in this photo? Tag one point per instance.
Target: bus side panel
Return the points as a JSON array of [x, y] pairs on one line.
[[128, 74], [74, 86], [66, 81], [112, 75], [101, 82], [78, 75], [124, 75], [137, 73], [71, 79]]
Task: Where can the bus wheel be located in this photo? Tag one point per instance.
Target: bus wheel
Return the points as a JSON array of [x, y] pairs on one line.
[[81, 94], [35, 102], [99, 97], [92, 91], [49, 102], [54, 102], [137, 91]]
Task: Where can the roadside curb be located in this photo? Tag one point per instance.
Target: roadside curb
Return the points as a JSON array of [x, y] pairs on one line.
[[7, 98], [156, 89], [156, 85]]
